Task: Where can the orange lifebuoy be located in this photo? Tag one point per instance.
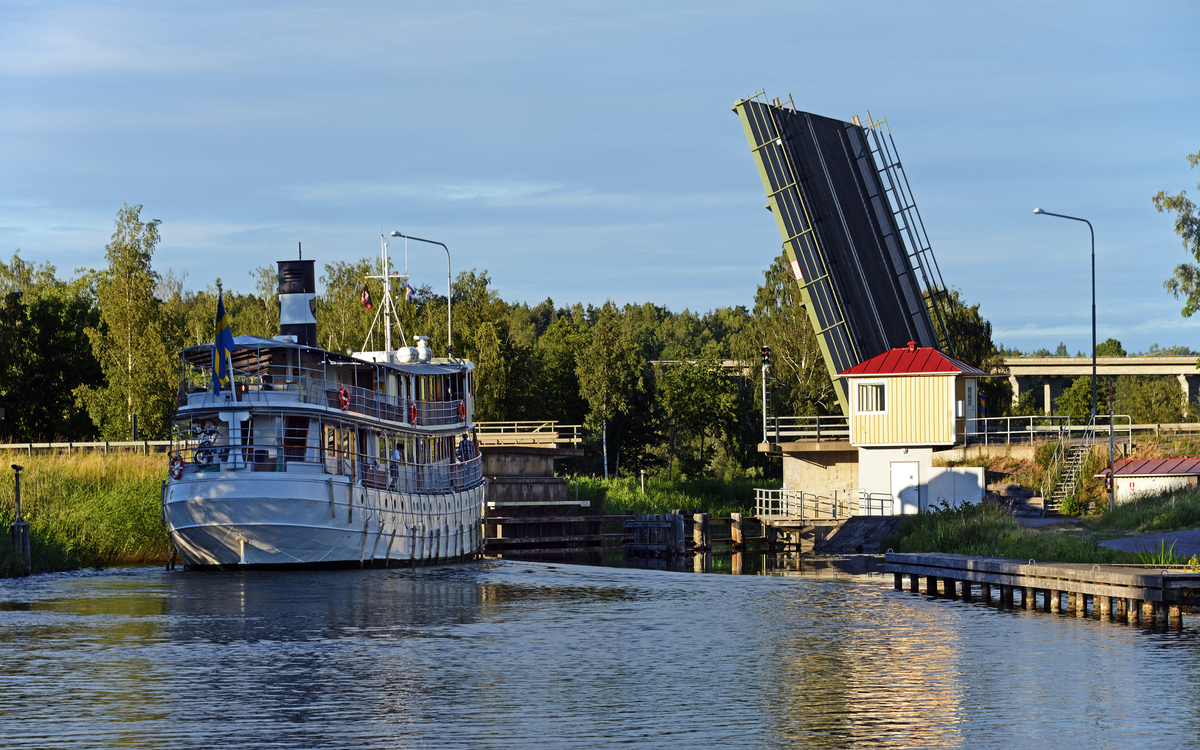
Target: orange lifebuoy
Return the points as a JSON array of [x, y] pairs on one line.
[[344, 398], [462, 409], [412, 413], [176, 469]]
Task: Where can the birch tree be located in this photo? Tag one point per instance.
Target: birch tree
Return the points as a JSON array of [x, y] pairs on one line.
[[132, 342]]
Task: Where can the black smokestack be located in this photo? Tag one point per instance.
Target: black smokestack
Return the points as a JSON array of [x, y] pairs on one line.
[[297, 300]]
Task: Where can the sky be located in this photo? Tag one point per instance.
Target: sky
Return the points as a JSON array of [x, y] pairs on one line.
[[588, 151]]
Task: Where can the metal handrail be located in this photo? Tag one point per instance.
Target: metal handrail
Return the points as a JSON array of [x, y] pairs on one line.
[[267, 389], [142, 446], [210, 450], [1007, 430], [528, 433], [823, 504], [810, 428]]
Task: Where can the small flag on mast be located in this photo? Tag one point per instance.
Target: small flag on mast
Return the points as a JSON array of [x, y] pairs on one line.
[[408, 292], [366, 298]]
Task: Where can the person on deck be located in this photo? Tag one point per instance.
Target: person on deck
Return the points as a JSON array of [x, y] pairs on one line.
[[394, 467]]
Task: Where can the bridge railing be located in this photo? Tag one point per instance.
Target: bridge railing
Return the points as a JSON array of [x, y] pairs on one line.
[[534, 433], [807, 428], [1008, 430], [821, 505]]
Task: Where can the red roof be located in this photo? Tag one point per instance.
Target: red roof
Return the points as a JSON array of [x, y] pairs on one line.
[[1155, 467], [916, 361]]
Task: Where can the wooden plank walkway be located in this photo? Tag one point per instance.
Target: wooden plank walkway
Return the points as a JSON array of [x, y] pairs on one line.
[[1150, 593]]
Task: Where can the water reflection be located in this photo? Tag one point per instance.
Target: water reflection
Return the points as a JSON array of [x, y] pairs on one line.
[[819, 654]]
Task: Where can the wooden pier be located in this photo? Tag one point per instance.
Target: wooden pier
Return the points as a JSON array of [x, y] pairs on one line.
[[1131, 593]]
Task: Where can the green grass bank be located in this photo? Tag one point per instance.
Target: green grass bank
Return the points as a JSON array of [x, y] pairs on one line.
[[718, 497], [988, 529], [87, 510]]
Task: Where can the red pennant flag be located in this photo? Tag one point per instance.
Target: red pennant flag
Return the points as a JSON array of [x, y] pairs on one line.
[[366, 298]]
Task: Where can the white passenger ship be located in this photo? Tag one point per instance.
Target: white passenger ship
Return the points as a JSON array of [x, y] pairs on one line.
[[315, 458]]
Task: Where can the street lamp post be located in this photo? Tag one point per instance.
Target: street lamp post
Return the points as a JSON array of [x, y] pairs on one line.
[[449, 289], [1093, 232]]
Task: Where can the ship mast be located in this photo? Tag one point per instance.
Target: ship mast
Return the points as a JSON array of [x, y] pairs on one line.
[[386, 306]]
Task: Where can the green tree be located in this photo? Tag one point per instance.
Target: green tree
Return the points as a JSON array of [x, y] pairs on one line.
[[697, 400], [801, 383], [1076, 400], [1185, 281], [612, 372], [491, 374], [342, 320], [1110, 348], [972, 338], [132, 342], [557, 355]]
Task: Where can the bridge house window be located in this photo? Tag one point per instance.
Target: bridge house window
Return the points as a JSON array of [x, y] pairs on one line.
[[872, 398]]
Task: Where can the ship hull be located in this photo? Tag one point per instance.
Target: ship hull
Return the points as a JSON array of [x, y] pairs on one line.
[[264, 520]]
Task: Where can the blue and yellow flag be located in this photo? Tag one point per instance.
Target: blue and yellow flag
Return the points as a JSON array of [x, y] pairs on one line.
[[222, 348]]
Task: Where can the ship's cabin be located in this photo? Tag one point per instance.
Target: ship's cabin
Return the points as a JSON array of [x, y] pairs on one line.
[[296, 408]]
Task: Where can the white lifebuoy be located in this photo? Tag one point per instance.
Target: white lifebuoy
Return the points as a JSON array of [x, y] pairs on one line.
[[176, 467]]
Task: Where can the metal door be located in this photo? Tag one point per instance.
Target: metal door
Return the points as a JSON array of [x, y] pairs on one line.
[[906, 487]]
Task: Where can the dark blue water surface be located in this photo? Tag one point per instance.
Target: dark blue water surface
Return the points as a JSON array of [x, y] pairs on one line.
[[512, 654]]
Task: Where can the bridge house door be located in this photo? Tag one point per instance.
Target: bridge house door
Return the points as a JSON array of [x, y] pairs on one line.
[[906, 488]]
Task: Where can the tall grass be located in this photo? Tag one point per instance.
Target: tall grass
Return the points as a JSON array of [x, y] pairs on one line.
[[989, 530], [1152, 514], [88, 510], [716, 496]]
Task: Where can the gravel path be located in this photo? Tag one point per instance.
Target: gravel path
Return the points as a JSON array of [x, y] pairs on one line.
[[1186, 542]]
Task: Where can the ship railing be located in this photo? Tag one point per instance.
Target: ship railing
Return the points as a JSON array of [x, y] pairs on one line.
[[822, 504], [271, 385], [210, 450]]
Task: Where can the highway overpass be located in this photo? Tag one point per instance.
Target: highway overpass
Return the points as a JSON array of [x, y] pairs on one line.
[[1056, 372]]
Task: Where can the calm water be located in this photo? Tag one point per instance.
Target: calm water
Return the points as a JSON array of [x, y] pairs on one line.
[[509, 654]]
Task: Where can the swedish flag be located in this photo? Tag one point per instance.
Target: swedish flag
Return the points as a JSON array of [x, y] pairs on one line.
[[222, 348]]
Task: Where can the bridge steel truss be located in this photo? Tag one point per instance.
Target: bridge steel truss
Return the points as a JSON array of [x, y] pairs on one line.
[[850, 232]]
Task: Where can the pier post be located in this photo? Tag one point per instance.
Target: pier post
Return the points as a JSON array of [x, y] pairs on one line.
[[1028, 598], [737, 564], [1175, 615], [1147, 612], [898, 580], [1131, 611], [985, 591], [735, 530], [1105, 606], [1006, 595], [1160, 613], [966, 591], [914, 583], [931, 586], [950, 587], [1081, 604], [1055, 601], [772, 535]]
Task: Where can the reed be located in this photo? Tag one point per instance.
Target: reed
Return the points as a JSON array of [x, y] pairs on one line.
[[989, 530], [717, 497], [87, 510]]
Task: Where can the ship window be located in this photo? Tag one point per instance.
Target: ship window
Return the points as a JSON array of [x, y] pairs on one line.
[[872, 398]]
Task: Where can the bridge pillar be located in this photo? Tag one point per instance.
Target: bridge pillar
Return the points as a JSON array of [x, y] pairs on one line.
[[1019, 385], [1188, 384], [1052, 386]]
